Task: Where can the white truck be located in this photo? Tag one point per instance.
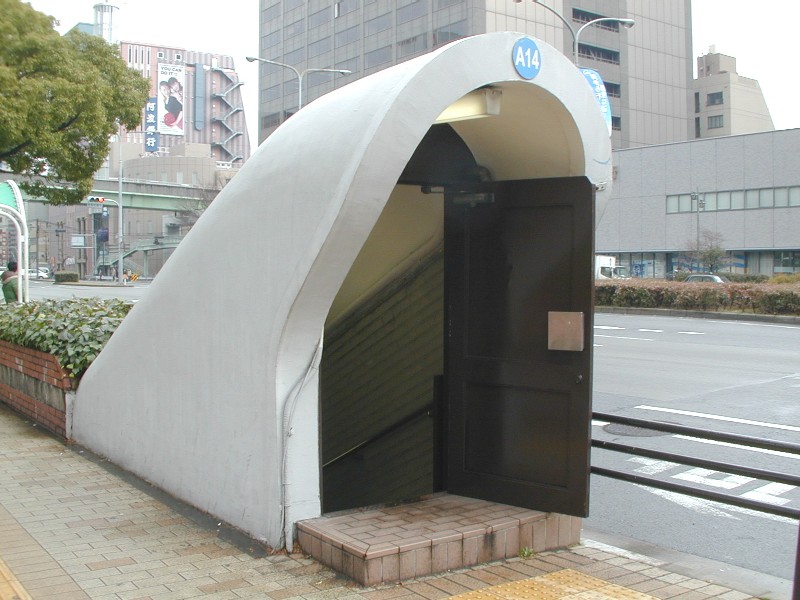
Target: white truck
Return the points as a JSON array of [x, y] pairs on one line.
[[605, 267]]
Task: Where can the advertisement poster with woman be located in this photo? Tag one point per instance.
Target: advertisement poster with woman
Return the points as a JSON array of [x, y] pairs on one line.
[[170, 99]]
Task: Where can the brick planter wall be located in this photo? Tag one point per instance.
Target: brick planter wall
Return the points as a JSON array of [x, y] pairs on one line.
[[34, 384]]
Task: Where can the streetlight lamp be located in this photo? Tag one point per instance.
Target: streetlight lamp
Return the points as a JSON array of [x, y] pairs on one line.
[[576, 35], [300, 74]]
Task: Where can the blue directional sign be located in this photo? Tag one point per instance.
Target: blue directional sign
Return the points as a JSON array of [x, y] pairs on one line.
[[599, 89], [527, 58]]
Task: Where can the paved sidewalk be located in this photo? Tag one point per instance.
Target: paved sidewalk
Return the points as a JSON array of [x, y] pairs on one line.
[[75, 527]]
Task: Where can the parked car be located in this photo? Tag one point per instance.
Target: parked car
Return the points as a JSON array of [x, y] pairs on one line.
[[706, 278], [40, 273]]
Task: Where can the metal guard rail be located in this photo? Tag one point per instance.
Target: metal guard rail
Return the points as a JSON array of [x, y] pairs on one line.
[[742, 440], [688, 490]]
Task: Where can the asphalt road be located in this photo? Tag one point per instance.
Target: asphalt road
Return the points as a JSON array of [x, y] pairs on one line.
[[740, 377]]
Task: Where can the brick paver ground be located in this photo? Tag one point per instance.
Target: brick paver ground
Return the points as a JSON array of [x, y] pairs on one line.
[[74, 527]]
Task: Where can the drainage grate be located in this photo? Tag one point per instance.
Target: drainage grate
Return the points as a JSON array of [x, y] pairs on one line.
[[631, 431]]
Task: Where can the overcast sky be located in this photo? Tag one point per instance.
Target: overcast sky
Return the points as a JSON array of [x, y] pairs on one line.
[[757, 34]]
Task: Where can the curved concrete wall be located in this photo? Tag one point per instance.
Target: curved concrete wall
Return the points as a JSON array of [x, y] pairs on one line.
[[209, 387]]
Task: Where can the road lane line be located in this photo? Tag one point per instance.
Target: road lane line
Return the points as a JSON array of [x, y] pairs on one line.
[[689, 413], [622, 337]]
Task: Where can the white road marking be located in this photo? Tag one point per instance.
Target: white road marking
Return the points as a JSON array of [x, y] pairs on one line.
[[652, 330], [769, 493], [622, 337], [705, 477], [691, 333], [652, 466], [607, 327], [690, 413], [716, 509]]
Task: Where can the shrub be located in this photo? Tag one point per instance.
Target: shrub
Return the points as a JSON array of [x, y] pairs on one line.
[[66, 277], [74, 331], [786, 278], [653, 293]]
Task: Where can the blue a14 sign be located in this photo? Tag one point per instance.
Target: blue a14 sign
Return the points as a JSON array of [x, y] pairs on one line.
[[527, 58]]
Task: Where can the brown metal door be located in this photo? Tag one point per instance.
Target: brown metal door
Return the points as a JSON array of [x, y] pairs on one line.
[[518, 413]]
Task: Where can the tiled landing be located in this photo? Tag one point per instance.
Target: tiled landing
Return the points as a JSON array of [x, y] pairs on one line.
[[436, 534]]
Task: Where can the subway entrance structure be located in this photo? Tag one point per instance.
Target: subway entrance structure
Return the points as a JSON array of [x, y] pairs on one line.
[[417, 242]]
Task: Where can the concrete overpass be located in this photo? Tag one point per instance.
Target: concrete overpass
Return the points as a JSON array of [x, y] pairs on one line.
[[143, 195]]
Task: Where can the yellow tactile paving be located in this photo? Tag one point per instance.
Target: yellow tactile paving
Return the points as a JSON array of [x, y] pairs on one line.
[[10, 588], [566, 584]]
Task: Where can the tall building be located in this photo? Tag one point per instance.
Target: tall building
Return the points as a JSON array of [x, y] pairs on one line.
[[193, 134], [647, 68], [195, 98], [725, 103]]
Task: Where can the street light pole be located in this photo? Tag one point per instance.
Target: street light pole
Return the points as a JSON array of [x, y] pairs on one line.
[[299, 74], [700, 203], [121, 279], [576, 35]]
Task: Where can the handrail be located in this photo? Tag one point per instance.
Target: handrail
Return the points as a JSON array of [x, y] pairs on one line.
[[396, 426]]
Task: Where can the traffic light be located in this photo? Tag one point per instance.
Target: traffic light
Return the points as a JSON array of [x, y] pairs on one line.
[[97, 199]]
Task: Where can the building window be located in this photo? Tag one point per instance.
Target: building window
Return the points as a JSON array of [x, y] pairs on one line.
[[418, 43], [766, 198], [786, 261], [616, 123], [344, 7], [272, 93], [293, 29], [412, 11], [377, 24], [446, 3], [451, 32], [377, 57], [295, 57], [697, 102], [715, 122], [697, 132], [714, 98], [614, 90], [271, 39], [271, 12], [319, 18], [600, 54], [583, 17], [319, 47], [348, 36]]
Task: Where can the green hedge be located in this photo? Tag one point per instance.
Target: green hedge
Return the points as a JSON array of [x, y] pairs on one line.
[[759, 298], [74, 331]]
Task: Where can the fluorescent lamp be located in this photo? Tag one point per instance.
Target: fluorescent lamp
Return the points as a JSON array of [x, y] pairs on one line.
[[475, 105]]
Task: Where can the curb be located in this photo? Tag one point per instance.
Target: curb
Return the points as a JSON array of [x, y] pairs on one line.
[[700, 314]]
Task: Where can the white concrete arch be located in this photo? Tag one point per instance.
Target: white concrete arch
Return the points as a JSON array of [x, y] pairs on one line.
[[199, 388]]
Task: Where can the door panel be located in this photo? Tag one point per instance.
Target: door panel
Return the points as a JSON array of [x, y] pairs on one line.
[[518, 414]]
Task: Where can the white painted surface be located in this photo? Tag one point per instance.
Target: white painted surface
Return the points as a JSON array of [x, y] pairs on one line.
[[192, 390]]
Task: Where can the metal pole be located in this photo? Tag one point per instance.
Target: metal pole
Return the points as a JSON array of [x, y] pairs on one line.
[[569, 26], [626, 22], [121, 279], [298, 74]]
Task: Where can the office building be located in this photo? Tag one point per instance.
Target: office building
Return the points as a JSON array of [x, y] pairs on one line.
[[725, 103], [647, 68]]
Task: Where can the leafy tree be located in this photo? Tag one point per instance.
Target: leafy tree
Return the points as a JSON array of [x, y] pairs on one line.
[[61, 98]]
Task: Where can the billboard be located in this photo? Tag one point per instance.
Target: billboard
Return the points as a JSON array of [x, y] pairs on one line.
[[171, 79], [151, 125]]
